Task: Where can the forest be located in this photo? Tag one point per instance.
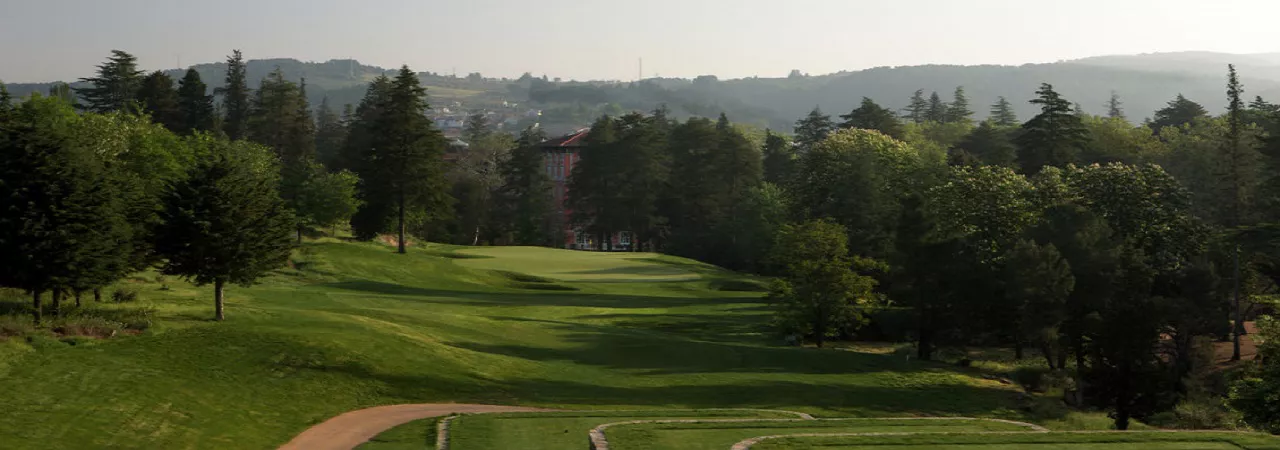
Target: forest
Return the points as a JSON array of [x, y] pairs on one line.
[[1118, 253]]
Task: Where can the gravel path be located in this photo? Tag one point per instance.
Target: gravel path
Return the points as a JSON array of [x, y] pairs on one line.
[[353, 428]]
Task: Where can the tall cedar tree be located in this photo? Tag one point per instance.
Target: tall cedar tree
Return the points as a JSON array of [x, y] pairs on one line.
[[195, 105], [116, 86], [958, 111], [643, 157], [1002, 113], [525, 203], [937, 111], [692, 206], [1237, 203], [779, 158], [990, 144], [279, 119], [358, 155], [331, 132], [1055, 137], [870, 116], [226, 222], [159, 99], [1180, 111], [408, 152], [62, 219], [918, 108], [235, 98], [812, 129], [477, 128], [737, 168], [1115, 108]]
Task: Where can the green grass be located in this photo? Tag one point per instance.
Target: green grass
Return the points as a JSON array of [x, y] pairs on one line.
[[557, 431], [720, 436], [352, 325], [416, 435], [1034, 441]]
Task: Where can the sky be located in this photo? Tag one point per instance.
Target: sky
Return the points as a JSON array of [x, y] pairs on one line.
[[45, 40]]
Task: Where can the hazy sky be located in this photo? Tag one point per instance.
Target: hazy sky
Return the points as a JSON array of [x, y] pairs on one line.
[[42, 40]]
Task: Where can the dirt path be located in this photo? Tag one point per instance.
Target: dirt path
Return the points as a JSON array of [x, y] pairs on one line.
[[353, 428]]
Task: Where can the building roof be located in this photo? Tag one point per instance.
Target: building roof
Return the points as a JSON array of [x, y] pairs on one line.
[[571, 140]]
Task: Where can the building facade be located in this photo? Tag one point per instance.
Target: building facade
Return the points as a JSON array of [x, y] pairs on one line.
[[559, 156]]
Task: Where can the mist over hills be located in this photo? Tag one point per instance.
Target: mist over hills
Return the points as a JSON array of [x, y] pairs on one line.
[[1144, 82]]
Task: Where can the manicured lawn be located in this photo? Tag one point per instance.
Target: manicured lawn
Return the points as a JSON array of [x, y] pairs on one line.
[[416, 435], [352, 325], [1033, 441], [720, 436], [556, 431]]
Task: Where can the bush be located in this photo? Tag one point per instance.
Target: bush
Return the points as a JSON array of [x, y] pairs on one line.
[[15, 326], [97, 327], [127, 294], [1198, 413]]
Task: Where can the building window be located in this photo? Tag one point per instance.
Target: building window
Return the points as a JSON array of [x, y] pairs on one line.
[[624, 238]]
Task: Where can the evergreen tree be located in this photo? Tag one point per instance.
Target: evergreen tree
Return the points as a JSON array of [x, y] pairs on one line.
[[1179, 112], [870, 116], [525, 203], [226, 222], [116, 86], [918, 108], [195, 104], [235, 98], [63, 224], [779, 158], [280, 119], [1002, 113], [937, 111], [62, 91], [1037, 283], [990, 144], [358, 155], [159, 99], [6, 100], [1115, 108], [641, 152], [1238, 183], [958, 111], [331, 132], [323, 199], [813, 129], [477, 128], [1055, 137]]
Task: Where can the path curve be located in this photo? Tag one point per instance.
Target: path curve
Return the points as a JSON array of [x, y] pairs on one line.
[[350, 429]]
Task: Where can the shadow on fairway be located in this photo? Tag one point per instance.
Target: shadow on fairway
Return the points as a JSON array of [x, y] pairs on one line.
[[532, 297]]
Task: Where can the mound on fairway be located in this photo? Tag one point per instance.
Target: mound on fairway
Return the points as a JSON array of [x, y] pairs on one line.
[[352, 325], [1033, 441], [712, 435]]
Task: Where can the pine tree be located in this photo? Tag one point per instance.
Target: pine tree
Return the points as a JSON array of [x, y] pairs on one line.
[[525, 202], [64, 223], [159, 99], [226, 223], [1179, 112], [958, 111], [779, 158], [1002, 113], [280, 119], [990, 144], [331, 132], [235, 98], [870, 116], [1055, 137], [408, 150], [937, 111], [1115, 108], [116, 86], [918, 108], [6, 100], [813, 129], [195, 104], [358, 155], [477, 128]]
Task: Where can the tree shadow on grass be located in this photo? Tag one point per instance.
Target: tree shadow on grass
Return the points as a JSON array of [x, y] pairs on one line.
[[531, 297]]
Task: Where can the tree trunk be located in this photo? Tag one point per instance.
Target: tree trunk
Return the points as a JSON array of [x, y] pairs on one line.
[[1238, 325], [400, 212], [57, 302], [299, 234], [475, 239], [77, 294], [217, 301], [97, 295], [37, 305], [1017, 349], [924, 350], [1048, 355]]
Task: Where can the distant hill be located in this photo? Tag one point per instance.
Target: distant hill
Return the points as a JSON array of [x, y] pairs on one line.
[[1144, 82]]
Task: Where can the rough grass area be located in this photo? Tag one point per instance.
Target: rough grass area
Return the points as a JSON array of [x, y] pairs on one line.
[[558, 431], [722, 435], [416, 435], [351, 325], [1033, 441]]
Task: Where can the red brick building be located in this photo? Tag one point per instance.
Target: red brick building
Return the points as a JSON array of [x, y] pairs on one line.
[[559, 155]]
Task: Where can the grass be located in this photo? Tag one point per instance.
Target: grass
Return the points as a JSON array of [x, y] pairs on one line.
[[352, 325], [416, 435], [558, 431], [720, 436], [1032, 441]]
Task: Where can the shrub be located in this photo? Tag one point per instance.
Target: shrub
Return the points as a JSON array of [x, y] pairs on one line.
[[97, 327], [15, 326], [127, 294]]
